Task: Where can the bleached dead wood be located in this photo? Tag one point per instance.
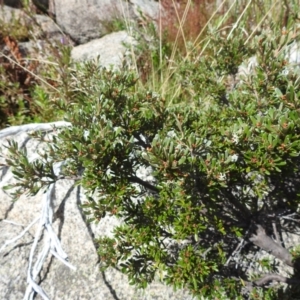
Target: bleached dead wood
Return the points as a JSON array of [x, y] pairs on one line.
[[52, 243]]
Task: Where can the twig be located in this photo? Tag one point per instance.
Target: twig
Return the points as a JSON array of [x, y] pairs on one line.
[[63, 260], [11, 222], [51, 242], [52, 245], [260, 22], [237, 249], [274, 277], [28, 71], [289, 217], [277, 238], [145, 184], [32, 284], [235, 25], [20, 235], [262, 240]]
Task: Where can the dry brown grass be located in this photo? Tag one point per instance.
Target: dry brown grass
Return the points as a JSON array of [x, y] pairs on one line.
[[183, 20], [15, 79]]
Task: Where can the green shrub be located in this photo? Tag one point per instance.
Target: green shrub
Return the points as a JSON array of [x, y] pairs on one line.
[[30, 88], [223, 167], [202, 174]]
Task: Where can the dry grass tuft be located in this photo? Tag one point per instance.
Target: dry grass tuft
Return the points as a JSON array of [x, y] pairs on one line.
[[183, 20]]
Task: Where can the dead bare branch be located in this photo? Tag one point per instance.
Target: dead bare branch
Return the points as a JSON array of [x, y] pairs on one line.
[[262, 240], [275, 277], [276, 232]]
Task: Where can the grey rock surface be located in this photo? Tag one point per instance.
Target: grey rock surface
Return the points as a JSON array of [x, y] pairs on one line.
[[110, 49], [85, 21], [291, 53], [88, 20], [149, 8], [45, 32], [8, 13], [47, 28], [57, 280]]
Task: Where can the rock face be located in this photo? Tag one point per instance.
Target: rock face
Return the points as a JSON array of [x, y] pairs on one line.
[[83, 23], [88, 20], [57, 280], [7, 13], [110, 49]]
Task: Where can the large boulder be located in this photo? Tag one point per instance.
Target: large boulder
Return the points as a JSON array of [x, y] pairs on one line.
[[110, 49], [31, 253], [87, 20], [42, 33], [9, 14]]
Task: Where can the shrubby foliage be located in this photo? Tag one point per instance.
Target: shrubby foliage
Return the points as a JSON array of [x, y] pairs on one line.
[[202, 178], [29, 87]]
